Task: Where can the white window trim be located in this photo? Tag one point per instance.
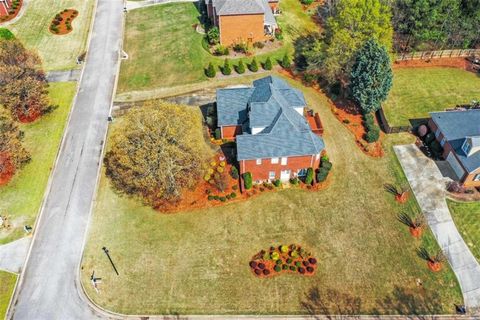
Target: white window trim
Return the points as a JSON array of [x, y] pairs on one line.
[[270, 176], [284, 161], [274, 160], [466, 147], [476, 177], [259, 161]]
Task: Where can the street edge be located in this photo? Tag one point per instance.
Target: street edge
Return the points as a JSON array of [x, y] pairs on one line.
[[16, 291]]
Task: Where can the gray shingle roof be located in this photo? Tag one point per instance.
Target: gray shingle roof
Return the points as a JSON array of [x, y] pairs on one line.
[[239, 7], [270, 104], [457, 126], [232, 105]]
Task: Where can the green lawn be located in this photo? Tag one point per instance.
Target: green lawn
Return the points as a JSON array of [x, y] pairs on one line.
[[467, 220], [58, 52], [7, 284], [165, 50], [418, 91], [21, 198], [197, 262]]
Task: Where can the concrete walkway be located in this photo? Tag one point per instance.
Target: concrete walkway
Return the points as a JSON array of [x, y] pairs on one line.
[[147, 3], [428, 185], [64, 76], [13, 254]]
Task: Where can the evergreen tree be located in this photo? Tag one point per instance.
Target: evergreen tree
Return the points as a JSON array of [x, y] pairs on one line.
[[210, 71], [227, 69], [286, 63], [241, 67], [268, 64], [254, 65], [371, 76]]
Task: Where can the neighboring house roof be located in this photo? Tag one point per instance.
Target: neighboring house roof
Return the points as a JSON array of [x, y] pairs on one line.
[[244, 7], [269, 104], [457, 127]]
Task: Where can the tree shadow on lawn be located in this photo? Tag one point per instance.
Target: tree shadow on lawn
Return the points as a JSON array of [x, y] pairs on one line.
[[333, 304]]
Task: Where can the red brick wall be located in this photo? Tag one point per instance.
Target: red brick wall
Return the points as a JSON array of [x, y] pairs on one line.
[[261, 171], [230, 132], [241, 28]]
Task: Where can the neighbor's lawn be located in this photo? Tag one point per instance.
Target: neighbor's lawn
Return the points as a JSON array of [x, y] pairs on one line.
[[467, 220], [21, 198], [165, 50], [197, 262], [7, 284], [58, 52], [418, 91]]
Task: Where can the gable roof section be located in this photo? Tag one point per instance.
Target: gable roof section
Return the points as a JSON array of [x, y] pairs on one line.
[[458, 126], [232, 106], [236, 7]]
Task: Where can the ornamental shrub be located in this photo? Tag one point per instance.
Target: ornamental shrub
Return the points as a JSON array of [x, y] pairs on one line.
[[285, 267], [218, 134], [277, 268], [322, 174], [279, 261], [253, 264], [293, 268], [228, 197], [422, 130], [286, 62], [284, 248], [309, 177], [294, 181], [213, 36], [268, 64], [277, 183], [429, 138], [310, 269], [312, 260], [301, 270], [253, 65], [227, 69], [241, 67], [210, 198], [306, 2], [210, 71], [233, 195], [326, 164], [275, 255], [373, 135], [247, 180]]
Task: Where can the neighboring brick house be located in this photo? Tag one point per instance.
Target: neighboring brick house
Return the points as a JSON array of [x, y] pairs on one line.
[[4, 7], [277, 138], [458, 132], [243, 20]]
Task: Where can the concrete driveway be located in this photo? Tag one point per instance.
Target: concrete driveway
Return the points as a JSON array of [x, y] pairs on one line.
[[49, 287], [428, 185]]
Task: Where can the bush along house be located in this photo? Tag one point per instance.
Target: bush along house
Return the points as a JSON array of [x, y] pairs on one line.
[[277, 137], [458, 132], [243, 21]]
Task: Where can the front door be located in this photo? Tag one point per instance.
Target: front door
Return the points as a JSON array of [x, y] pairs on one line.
[[285, 175]]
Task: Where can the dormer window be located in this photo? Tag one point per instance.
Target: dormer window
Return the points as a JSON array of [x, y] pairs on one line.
[[466, 147]]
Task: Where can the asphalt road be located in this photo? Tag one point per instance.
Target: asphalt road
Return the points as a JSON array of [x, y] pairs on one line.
[[49, 287]]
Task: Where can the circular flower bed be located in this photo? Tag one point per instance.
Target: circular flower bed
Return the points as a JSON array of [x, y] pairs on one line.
[[62, 23], [283, 259]]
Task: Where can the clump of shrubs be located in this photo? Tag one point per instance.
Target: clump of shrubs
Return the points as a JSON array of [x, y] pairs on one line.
[[210, 71], [240, 68], [277, 183], [372, 130], [254, 65], [309, 176], [325, 167]]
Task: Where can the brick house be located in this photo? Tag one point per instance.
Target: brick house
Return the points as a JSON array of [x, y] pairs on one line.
[[458, 132], [4, 7], [243, 20], [277, 138]]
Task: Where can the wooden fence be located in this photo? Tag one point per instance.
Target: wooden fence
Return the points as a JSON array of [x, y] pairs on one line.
[[382, 120], [425, 55]]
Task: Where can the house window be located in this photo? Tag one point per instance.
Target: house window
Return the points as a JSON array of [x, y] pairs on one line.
[[437, 133], [274, 160], [302, 172], [271, 175], [259, 161], [466, 147], [284, 161], [442, 143], [477, 177]]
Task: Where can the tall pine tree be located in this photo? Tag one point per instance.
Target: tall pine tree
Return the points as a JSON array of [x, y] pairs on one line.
[[371, 76]]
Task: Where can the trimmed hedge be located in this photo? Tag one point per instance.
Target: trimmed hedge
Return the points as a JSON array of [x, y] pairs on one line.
[[372, 130], [247, 180]]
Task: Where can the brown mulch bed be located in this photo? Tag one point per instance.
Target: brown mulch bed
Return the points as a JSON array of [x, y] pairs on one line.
[[12, 15], [458, 62], [8, 168], [466, 197], [61, 22], [348, 113]]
